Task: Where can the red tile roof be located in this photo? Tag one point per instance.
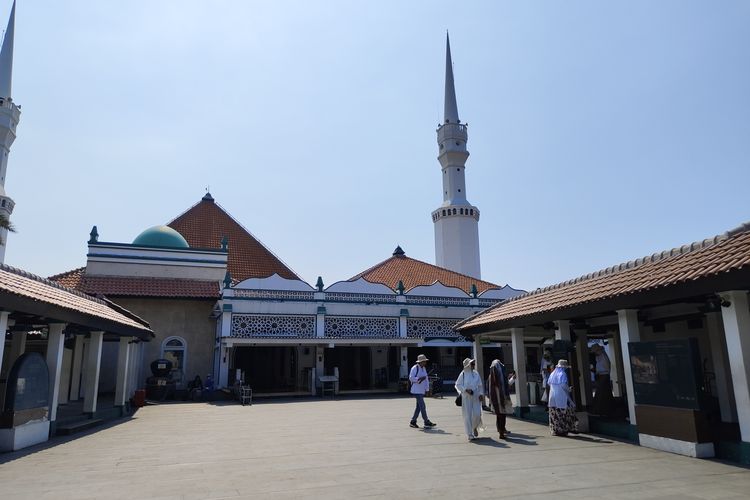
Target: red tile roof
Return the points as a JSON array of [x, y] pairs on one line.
[[711, 258], [122, 286], [206, 223], [34, 291], [413, 273]]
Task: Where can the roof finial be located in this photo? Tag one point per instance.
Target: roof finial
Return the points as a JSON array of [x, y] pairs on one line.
[[227, 280], [399, 251], [93, 235], [319, 284], [450, 108], [400, 287], [225, 243], [6, 56]]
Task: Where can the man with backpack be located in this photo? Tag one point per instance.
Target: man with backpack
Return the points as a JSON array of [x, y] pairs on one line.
[[420, 383]]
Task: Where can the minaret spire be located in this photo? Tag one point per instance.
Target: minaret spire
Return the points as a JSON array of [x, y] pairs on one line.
[[6, 55], [450, 107], [9, 116], [456, 220]]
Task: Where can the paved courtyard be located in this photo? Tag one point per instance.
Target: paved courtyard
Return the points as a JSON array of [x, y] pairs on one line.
[[347, 449]]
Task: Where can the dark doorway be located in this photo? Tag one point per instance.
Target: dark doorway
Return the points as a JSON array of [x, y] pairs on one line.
[[354, 364], [271, 369]]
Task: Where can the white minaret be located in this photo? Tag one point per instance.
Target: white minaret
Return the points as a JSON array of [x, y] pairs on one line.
[[9, 115], [457, 220]]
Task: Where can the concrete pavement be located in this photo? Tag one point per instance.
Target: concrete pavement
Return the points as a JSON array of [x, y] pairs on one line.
[[343, 449]]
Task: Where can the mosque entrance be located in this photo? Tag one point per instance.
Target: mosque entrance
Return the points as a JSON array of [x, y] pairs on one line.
[[274, 369], [363, 368]]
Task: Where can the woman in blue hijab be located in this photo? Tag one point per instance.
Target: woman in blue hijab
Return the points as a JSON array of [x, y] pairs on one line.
[[562, 417]]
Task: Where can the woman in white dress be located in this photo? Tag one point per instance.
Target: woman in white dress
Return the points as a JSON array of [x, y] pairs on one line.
[[469, 386]]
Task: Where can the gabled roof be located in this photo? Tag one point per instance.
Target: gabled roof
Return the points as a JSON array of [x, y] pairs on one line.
[[24, 292], [413, 273], [205, 224], [695, 269]]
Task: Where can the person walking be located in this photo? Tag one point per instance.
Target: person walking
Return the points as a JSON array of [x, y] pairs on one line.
[[546, 368], [562, 417], [498, 392], [419, 386], [469, 386], [602, 404]]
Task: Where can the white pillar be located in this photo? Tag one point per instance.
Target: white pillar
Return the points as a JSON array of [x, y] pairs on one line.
[[3, 328], [320, 368], [55, 346], [65, 376], [720, 363], [75, 378], [736, 318], [562, 331], [135, 349], [320, 322], [123, 358], [223, 366], [519, 364], [616, 370], [479, 358], [584, 370], [403, 370], [629, 332], [93, 363]]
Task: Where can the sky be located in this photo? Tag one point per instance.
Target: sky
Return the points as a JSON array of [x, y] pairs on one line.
[[599, 132]]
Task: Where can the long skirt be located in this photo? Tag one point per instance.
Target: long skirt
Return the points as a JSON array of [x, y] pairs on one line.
[[562, 421], [471, 411]]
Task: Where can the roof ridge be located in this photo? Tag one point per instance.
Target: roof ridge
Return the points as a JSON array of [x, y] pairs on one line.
[[57, 276], [240, 226], [256, 239], [641, 261], [26, 274]]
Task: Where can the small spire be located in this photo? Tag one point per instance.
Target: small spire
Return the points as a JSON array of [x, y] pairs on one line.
[[208, 197], [93, 235], [474, 290], [319, 284], [450, 108], [399, 251], [6, 56], [227, 280], [400, 287], [225, 243]]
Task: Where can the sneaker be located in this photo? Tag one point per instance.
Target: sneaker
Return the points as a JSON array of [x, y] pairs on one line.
[[429, 424], [414, 425]]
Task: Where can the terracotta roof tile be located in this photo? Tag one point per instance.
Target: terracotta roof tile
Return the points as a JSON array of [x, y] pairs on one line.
[[70, 279], [206, 223], [413, 273], [118, 286], [126, 286], [29, 286], [711, 257]]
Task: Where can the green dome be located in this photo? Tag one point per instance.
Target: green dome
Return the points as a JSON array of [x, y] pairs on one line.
[[161, 236]]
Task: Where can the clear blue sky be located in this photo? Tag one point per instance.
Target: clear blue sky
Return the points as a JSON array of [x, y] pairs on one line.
[[599, 131]]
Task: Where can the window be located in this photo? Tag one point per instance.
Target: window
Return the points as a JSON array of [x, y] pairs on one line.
[[443, 213], [175, 350]]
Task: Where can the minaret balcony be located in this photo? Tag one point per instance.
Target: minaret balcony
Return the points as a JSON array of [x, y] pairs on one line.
[[453, 131], [450, 211]]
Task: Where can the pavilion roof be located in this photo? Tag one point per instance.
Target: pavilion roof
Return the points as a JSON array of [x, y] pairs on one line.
[[23, 292], [716, 264]]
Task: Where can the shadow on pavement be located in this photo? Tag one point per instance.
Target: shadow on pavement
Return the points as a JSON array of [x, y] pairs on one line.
[[589, 439]]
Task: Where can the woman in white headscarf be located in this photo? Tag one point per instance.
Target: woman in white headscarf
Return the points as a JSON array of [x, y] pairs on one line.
[[469, 386], [562, 417]]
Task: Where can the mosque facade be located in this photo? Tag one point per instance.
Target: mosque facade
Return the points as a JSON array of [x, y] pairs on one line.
[[222, 304]]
